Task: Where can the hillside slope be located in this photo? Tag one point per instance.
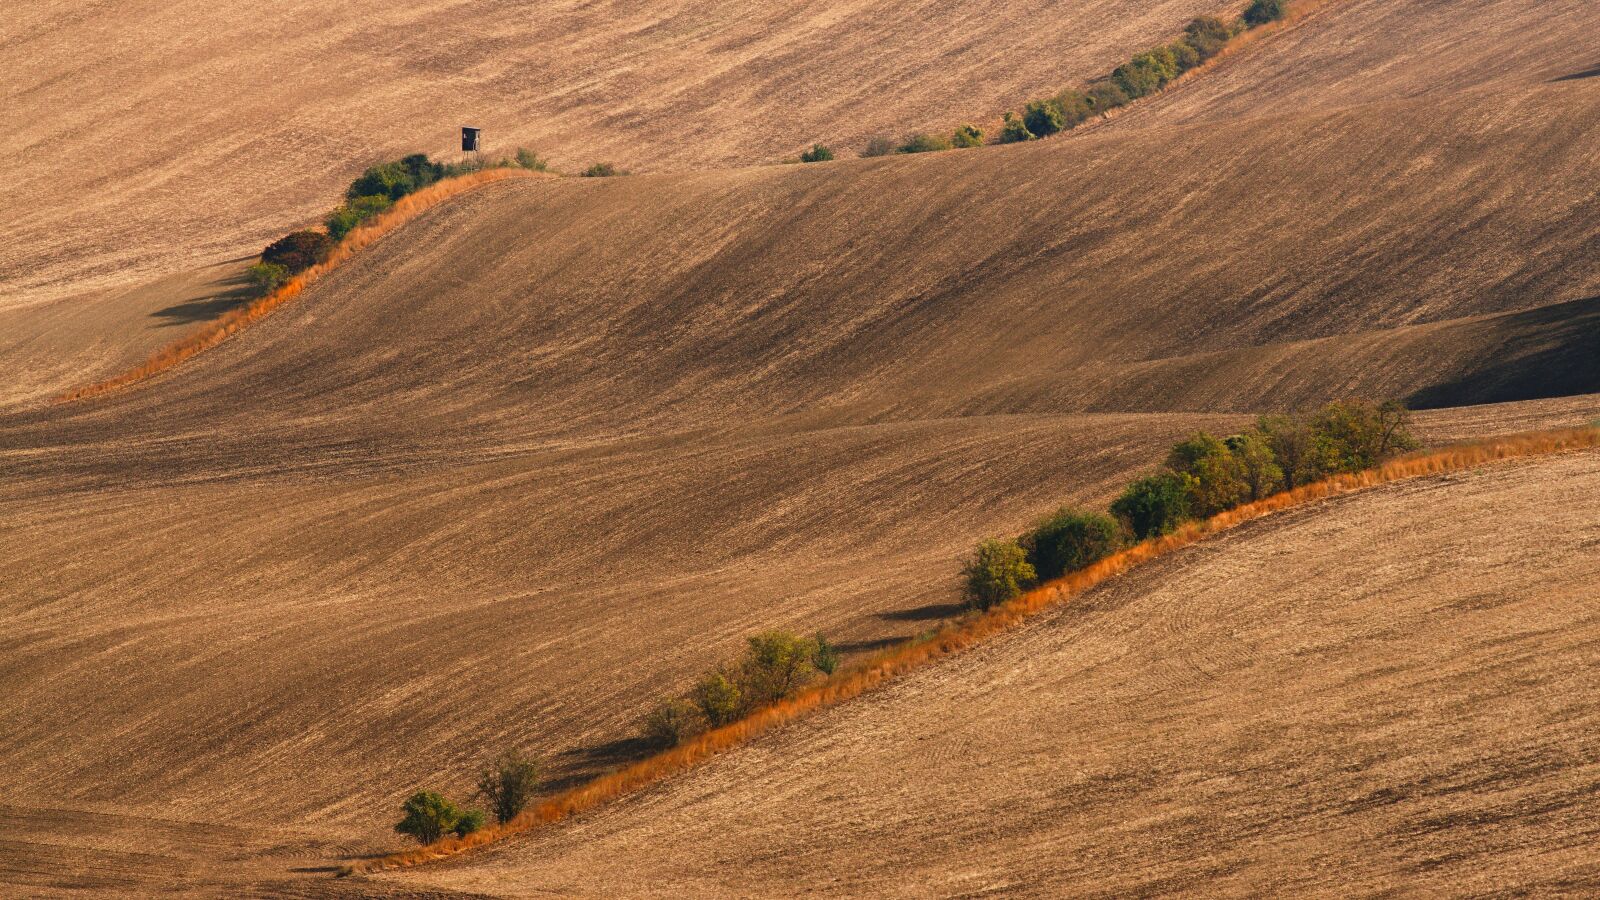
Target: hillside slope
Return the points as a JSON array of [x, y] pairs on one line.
[[153, 135], [1386, 691], [552, 449]]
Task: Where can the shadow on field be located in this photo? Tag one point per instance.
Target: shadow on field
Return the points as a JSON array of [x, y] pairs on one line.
[[1552, 351], [236, 292], [1593, 72], [923, 613]]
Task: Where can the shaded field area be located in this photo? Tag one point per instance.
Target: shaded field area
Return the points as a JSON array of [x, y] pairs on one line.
[[552, 449], [1387, 690]]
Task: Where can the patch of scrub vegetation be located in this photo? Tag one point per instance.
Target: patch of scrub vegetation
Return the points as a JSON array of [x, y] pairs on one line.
[[508, 784], [775, 665], [1144, 74], [1203, 475]]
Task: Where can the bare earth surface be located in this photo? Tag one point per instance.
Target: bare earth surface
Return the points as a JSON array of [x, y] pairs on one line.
[[1390, 691], [557, 446], [150, 135]]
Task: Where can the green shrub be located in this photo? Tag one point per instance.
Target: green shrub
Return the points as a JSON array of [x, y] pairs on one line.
[[1106, 96], [508, 784], [1363, 434], [1076, 108], [1070, 540], [672, 722], [1184, 55], [1218, 481], [396, 179], [998, 571], [1146, 73], [826, 658], [429, 817], [775, 665], [528, 159], [1302, 454], [967, 136], [298, 250], [344, 220], [923, 143], [719, 699], [600, 170], [1155, 504], [1043, 117], [1207, 35], [817, 153], [266, 277], [1257, 464], [1014, 131], [878, 146], [1260, 12]]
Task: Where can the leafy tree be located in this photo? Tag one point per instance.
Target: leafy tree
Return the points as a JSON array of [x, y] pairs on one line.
[[672, 722], [298, 250], [396, 179], [1070, 540], [775, 664], [1184, 55], [998, 571], [429, 816], [508, 784], [267, 277], [817, 153], [1302, 454], [1076, 108], [924, 143], [1155, 504], [1146, 73], [719, 698], [1043, 117], [1207, 35], [878, 146], [826, 657], [1014, 130], [600, 170], [1257, 464], [1362, 435], [967, 136], [1260, 12], [344, 220], [1218, 477]]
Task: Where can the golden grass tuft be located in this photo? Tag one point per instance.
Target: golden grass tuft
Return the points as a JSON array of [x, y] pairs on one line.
[[963, 634], [231, 323]]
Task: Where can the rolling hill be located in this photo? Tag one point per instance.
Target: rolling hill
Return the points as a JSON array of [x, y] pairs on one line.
[[556, 446]]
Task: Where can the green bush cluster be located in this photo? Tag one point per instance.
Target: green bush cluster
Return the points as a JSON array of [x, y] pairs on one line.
[[1203, 475], [298, 251], [508, 783], [774, 666], [921, 142], [817, 153], [266, 277], [602, 170]]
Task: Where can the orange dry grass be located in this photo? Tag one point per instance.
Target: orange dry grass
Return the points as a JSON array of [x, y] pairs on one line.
[[961, 635], [220, 329]]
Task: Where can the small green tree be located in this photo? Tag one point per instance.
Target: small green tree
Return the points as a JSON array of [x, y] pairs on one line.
[[998, 571], [1014, 131], [672, 722], [817, 153], [1043, 117], [1257, 465], [266, 277], [1076, 108], [719, 699], [827, 656], [1219, 480], [429, 817], [1155, 504], [878, 146], [508, 783], [775, 664], [924, 143], [1106, 96], [1260, 12], [1070, 540], [1302, 454], [1362, 435], [601, 170], [968, 135]]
